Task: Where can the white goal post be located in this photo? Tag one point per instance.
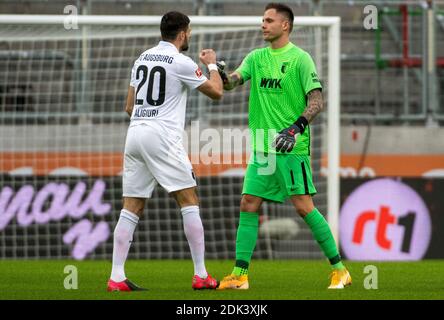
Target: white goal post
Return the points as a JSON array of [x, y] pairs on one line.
[[201, 25]]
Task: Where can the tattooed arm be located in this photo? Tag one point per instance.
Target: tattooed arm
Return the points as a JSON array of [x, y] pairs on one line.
[[286, 139], [315, 105], [233, 80]]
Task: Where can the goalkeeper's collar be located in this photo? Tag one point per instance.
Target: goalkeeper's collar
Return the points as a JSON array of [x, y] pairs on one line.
[[285, 48]]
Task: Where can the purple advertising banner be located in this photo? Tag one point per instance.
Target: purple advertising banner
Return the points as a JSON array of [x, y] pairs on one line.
[[61, 205], [73, 217]]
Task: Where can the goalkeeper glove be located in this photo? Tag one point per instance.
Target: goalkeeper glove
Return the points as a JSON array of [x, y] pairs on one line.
[[220, 68], [286, 139]]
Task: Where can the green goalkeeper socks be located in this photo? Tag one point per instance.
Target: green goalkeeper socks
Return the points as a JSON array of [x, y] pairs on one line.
[[246, 238], [322, 233], [247, 234], [240, 271]]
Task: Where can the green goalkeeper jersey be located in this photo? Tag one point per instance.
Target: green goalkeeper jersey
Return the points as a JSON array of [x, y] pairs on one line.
[[280, 81]]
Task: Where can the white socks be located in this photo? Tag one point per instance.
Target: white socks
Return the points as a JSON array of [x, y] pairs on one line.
[[192, 225], [123, 236]]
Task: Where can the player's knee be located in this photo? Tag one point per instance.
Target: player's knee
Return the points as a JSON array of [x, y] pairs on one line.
[[190, 200], [304, 208], [187, 197], [187, 202], [302, 211], [139, 211], [303, 205], [250, 203], [134, 205], [136, 209]]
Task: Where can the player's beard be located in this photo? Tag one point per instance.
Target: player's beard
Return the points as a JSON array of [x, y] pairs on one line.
[[271, 38], [185, 45]]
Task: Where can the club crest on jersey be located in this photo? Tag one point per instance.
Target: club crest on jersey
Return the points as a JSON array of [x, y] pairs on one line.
[[284, 67], [198, 72]]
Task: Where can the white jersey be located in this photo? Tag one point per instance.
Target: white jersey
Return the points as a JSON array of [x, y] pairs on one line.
[[161, 77]]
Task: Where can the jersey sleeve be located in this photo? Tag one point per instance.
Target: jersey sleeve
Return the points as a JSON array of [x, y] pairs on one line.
[[308, 75], [189, 73], [245, 69]]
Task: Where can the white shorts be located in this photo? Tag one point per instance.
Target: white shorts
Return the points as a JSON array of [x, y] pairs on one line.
[[153, 155]]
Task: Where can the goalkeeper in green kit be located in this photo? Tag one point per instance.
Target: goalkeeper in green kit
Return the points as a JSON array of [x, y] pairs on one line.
[[285, 96]]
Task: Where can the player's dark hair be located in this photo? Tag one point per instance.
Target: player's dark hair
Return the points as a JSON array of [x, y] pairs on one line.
[[282, 9], [172, 23]]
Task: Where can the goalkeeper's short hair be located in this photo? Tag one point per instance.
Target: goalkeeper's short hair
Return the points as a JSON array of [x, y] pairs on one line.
[[282, 9]]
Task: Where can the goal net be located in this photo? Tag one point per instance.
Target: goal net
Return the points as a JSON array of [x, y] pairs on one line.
[[63, 87]]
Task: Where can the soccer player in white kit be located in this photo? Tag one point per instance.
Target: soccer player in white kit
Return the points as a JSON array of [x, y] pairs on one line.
[[154, 153]]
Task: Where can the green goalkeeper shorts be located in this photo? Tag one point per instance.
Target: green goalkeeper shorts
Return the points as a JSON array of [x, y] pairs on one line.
[[275, 177]]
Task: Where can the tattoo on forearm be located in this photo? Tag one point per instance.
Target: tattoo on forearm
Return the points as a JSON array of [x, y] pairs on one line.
[[233, 81], [315, 104]]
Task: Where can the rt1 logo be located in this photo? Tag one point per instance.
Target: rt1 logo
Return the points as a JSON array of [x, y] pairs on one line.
[[384, 219]]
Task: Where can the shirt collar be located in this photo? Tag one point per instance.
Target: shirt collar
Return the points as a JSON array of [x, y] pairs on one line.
[[167, 44], [285, 48]]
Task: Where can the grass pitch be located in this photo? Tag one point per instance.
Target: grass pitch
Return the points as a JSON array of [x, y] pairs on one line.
[[269, 280]]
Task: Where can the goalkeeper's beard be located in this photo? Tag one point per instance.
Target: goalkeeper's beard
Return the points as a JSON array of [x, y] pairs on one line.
[[271, 39]]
